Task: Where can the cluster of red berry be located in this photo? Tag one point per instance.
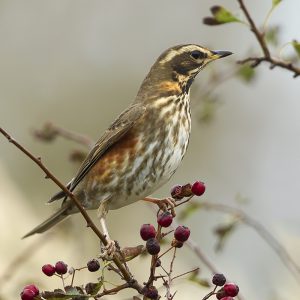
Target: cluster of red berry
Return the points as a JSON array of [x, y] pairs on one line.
[[227, 290], [152, 236], [59, 269], [148, 233]]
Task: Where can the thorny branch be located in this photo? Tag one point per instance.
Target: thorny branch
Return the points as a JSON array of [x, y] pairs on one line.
[[126, 275], [267, 57]]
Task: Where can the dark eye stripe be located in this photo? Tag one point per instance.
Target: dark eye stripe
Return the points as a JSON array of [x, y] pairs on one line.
[[196, 54]]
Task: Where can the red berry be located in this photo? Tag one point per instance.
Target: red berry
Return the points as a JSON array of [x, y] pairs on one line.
[[198, 188], [152, 246], [182, 233], [27, 294], [231, 289], [147, 232], [48, 269], [33, 288], [93, 265], [165, 219], [176, 192], [61, 268], [219, 279], [150, 292], [227, 298]]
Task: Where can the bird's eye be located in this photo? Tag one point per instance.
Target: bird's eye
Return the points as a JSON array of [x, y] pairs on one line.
[[197, 54]]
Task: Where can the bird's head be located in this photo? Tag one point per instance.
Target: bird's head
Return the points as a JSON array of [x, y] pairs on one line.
[[175, 69], [188, 60]]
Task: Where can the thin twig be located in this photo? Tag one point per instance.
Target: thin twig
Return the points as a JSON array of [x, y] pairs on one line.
[[255, 61], [55, 130], [37, 160], [267, 57], [185, 273], [114, 290]]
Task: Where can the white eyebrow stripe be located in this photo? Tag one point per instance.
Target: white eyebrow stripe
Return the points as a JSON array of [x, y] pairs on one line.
[[172, 53]]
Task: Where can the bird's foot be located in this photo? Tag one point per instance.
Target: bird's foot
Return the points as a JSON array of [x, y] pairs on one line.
[[163, 204], [108, 251]]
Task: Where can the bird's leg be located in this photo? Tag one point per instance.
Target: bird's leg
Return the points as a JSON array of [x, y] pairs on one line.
[[110, 248], [163, 204]]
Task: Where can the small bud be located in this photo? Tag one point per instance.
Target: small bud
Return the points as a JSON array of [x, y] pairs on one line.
[[147, 232], [48, 269], [198, 188], [152, 246], [219, 279], [158, 263], [61, 268], [182, 233], [93, 265], [231, 289], [165, 219]]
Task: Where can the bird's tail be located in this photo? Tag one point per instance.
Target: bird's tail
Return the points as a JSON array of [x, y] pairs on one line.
[[58, 216]]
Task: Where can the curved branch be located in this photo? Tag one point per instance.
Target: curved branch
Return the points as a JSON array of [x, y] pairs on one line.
[[37, 160], [267, 57]]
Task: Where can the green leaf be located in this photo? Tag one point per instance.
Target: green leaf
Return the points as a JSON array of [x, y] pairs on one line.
[[223, 232], [92, 288], [296, 46], [223, 15], [246, 73], [71, 293], [220, 16], [271, 35], [194, 277], [275, 2]]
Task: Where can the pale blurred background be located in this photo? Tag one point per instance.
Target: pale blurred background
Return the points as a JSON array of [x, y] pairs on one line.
[[79, 64]]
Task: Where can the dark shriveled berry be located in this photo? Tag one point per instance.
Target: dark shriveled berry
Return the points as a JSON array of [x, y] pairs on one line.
[[182, 233], [198, 188], [33, 288], [227, 298], [48, 269], [152, 246], [176, 244], [93, 265], [219, 279], [150, 292], [27, 294], [147, 232], [231, 289], [61, 268], [165, 219], [176, 192], [186, 190]]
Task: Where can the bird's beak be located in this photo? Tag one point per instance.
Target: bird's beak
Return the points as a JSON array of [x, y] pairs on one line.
[[219, 54]]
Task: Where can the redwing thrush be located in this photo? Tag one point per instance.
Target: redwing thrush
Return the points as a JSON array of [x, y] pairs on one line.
[[143, 147]]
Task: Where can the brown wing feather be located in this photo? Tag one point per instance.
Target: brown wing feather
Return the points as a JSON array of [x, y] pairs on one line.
[[118, 128]]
